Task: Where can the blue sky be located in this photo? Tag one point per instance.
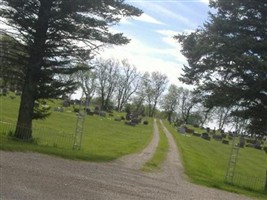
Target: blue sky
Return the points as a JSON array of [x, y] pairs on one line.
[[152, 47]]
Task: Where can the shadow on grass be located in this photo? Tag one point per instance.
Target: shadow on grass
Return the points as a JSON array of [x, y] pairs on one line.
[[10, 143]]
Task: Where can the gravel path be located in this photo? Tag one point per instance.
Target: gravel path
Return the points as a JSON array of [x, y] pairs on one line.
[[33, 176], [136, 161]]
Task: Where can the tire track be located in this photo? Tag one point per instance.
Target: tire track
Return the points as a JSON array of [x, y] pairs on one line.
[[136, 161]]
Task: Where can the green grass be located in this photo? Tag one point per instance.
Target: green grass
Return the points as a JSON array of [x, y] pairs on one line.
[[159, 156], [103, 138], [205, 163]]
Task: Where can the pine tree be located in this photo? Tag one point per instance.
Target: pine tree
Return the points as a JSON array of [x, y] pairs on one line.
[[54, 34], [227, 59]]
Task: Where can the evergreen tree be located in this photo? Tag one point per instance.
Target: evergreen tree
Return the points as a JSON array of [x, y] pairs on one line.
[[227, 59], [54, 33]]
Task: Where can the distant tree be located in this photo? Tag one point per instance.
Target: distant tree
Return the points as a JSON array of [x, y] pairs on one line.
[[227, 59], [202, 108], [188, 101], [127, 84], [145, 92], [194, 118], [171, 100], [159, 83], [139, 96], [223, 116], [53, 33], [13, 63], [107, 74], [154, 85], [87, 82]]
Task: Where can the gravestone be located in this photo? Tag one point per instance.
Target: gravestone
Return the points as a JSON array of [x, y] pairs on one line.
[[242, 142], [196, 134], [102, 113], [205, 136], [225, 141], [217, 137], [181, 130]]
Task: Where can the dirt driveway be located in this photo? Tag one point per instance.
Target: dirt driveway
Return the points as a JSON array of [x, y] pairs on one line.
[[33, 176]]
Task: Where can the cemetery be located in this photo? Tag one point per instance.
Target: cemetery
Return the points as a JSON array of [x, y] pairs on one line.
[[97, 81], [106, 133], [243, 141]]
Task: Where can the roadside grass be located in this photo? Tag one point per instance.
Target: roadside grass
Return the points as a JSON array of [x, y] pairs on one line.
[[205, 163], [159, 156], [104, 139]]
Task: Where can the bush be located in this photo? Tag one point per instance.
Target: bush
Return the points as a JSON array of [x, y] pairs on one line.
[[145, 122], [265, 149]]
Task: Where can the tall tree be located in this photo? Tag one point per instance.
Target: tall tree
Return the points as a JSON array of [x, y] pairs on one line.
[[50, 31], [159, 83], [171, 101], [107, 74], [127, 84], [227, 59], [87, 82], [223, 116], [153, 85], [188, 101], [140, 94]]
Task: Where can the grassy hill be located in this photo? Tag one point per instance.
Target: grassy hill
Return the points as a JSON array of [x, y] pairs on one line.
[[104, 138], [206, 162]]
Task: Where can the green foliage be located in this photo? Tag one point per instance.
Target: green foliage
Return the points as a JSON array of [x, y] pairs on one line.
[[50, 31], [227, 60]]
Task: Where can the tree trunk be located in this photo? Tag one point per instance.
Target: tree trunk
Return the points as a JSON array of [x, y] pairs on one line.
[[36, 55], [169, 117], [24, 122]]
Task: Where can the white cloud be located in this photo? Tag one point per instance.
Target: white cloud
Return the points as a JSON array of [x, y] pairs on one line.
[[146, 59], [205, 1], [175, 47], [158, 8], [167, 32], [145, 18]]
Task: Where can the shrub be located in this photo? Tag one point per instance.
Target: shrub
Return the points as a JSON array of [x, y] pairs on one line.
[[145, 122], [225, 141]]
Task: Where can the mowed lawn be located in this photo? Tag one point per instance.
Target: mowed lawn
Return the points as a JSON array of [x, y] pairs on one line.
[[206, 162], [104, 139]]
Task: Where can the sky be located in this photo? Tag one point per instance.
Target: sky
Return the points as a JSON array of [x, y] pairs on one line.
[[152, 47]]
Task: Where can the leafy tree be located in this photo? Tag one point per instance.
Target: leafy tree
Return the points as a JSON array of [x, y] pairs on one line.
[[87, 81], [107, 74], [127, 84], [139, 97], [53, 32], [188, 101], [154, 85], [194, 119], [171, 101], [223, 116], [227, 59]]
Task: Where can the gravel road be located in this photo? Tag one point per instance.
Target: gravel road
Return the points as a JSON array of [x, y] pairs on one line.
[[33, 176]]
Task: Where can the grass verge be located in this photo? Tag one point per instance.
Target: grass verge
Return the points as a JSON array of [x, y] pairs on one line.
[[205, 163], [159, 156]]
